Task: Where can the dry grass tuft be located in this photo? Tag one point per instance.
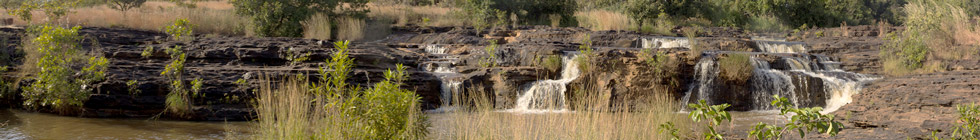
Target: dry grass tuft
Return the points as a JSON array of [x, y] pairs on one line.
[[404, 15], [317, 27], [603, 20]]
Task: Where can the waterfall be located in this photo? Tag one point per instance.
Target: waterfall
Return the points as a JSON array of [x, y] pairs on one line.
[[781, 47], [665, 42], [767, 82], [440, 64], [706, 73], [549, 95], [804, 81]]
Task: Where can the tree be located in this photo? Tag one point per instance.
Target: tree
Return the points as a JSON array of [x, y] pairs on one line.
[[125, 5], [283, 17]]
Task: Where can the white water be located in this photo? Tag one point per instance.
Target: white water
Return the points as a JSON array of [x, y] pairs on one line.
[[441, 64], [793, 84], [548, 95], [781, 47], [665, 42], [768, 82], [706, 71]]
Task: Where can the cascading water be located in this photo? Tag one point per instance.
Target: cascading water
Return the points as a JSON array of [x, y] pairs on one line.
[[781, 47], [440, 63], [665, 42], [767, 82], [549, 95], [706, 73], [804, 81]]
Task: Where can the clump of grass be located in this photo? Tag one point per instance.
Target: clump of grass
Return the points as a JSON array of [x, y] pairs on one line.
[[603, 20], [736, 68], [350, 28], [317, 27], [692, 37], [552, 62]]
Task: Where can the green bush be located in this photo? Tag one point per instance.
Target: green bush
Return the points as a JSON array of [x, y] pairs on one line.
[[736, 68], [53, 9], [716, 114], [284, 17], [803, 120], [180, 29], [63, 81], [384, 111], [178, 101], [968, 125]]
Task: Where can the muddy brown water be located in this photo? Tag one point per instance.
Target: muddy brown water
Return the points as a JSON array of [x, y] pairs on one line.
[[31, 125]]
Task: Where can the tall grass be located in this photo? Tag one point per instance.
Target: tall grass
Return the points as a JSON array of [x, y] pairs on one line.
[[317, 27], [936, 32], [212, 17], [349, 28], [329, 109], [603, 20], [736, 68], [595, 120], [405, 14]]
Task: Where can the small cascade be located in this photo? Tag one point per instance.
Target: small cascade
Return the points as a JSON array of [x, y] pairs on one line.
[[781, 47], [807, 81], [665, 42], [549, 95], [767, 82], [441, 64], [706, 75]]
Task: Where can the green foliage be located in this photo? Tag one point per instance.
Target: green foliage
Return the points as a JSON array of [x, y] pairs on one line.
[[54, 9], [180, 29], [552, 62], [478, 13], [669, 129], [384, 111], [133, 87], [586, 55], [125, 5], [283, 17], [7, 88], [490, 60], [736, 68], [968, 123], [147, 52], [10, 4], [177, 101], [804, 120], [60, 83], [715, 113]]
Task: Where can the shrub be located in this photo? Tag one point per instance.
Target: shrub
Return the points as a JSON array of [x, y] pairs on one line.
[[383, 111], [587, 56], [714, 113], [180, 29], [53, 9], [968, 125], [178, 101], [936, 32], [284, 17], [63, 82], [491, 59], [803, 120], [552, 62], [736, 68]]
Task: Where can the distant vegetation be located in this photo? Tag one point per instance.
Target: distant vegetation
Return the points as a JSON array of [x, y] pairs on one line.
[[936, 32]]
